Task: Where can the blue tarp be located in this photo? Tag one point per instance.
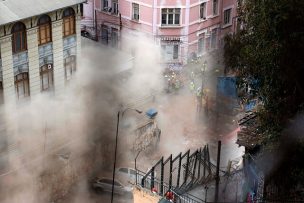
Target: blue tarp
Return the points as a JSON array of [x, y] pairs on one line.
[[226, 86], [151, 112], [250, 105]]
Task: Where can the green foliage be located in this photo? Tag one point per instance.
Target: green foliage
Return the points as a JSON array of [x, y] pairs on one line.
[[269, 48]]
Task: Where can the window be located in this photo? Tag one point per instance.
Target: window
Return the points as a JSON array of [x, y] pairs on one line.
[[105, 4], [203, 10], [215, 7], [115, 6], [22, 85], [114, 37], [175, 51], [69, 67], [123, 170], [68, 22], [213, 38], [117, 183], [19, 37], [46, 77], [227, 16], [135, 8], [44, 33], [201, 44], [169, 51], [170, 16], [104, 34], [132, 172]]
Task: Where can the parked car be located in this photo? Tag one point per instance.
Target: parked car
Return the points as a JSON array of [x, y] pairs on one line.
[[105, 185], [126, 175]]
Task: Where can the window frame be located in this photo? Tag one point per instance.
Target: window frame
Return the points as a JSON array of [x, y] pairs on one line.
[[229, 10], [175, 51], [115, 7], [174, 13], [215, 10], [22, 35], [48, 30], [72, 69], [204, 17], [134, 6], [25, 83], [201, 48], [104, 4], [213, 41], [50, 76], [69, 22]]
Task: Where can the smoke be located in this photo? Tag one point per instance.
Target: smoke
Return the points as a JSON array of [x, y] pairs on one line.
[[53, 143]]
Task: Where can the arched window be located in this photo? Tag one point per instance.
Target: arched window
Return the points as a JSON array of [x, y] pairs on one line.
[[45, 31], [70, 67], [19, 37], [22, 85], [46, 77], [68, 22]]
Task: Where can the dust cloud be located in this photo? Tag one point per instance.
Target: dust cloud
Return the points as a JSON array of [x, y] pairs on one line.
[[51, 142], [55, 144]]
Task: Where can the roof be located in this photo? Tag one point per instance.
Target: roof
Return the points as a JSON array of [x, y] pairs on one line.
[[15, 10]]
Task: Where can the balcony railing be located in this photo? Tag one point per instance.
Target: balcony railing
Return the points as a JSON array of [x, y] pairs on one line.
[[46, 54], [20, 62], [45, 50], [69, 42], [20, 58]]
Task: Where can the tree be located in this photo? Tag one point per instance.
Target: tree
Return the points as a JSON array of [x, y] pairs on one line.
[[268, 49]]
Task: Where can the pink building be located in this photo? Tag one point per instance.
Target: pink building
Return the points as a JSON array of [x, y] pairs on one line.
[[182, 28]]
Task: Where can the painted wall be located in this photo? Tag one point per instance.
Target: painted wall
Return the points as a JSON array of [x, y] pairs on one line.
[[191, 27]]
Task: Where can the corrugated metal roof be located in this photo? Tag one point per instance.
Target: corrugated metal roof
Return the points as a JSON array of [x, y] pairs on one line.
[[14, 10]]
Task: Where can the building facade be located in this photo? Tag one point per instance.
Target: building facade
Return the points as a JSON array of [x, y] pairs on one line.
[[38, 46], [183, 29]]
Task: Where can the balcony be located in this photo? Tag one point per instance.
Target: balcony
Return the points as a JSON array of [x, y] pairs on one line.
[[20, 58], [20, 62], [69, 46], [46, 54], [69, 42], [45, 50]]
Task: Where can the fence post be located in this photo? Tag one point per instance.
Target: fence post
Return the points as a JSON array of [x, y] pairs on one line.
[[162, 176], [217, 171], [187, 167], [170, 178], [199, 163], [205, 161], [179, 168], [152, 178]]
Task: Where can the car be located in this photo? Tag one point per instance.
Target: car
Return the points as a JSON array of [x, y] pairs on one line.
[[105, 185], [126, 175]]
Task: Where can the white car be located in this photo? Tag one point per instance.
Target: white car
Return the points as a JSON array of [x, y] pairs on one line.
[[105, 185], [126, 175]]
